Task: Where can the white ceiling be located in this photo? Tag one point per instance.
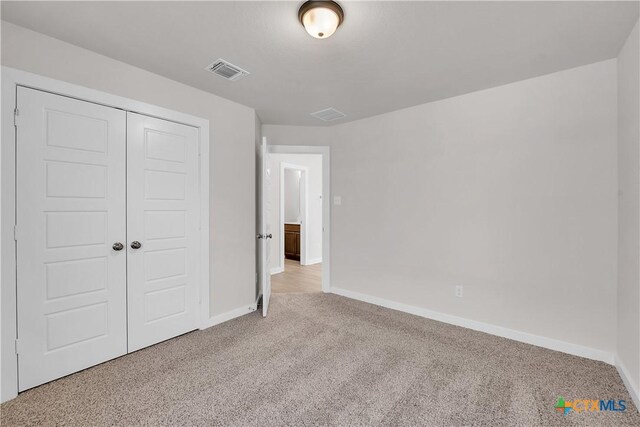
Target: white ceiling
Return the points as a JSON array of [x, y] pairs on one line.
[[386, 55]]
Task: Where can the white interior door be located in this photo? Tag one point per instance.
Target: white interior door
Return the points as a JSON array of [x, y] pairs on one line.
[[264, 234], [71, 286], [162, 229]]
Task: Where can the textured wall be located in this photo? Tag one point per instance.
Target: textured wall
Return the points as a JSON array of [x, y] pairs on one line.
[[628, 349]]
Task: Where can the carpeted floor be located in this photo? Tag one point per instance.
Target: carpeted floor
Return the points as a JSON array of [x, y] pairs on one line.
[[321, 359]]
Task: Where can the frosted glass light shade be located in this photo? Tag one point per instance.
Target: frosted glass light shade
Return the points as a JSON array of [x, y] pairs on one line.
[[321, 18], [320, 22]]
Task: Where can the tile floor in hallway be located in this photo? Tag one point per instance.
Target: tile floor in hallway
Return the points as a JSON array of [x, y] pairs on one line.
[[297, 278]]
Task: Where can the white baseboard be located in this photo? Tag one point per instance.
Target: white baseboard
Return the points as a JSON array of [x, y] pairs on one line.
[[314, 261], [276, 270], [550, 343], [629, 383], [229, 315]]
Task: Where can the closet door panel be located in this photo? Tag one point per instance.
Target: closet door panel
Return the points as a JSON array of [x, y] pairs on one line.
[[70, 210], [163, 217]]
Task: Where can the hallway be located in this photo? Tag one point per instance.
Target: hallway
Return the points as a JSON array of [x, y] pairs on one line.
[[297, 278]]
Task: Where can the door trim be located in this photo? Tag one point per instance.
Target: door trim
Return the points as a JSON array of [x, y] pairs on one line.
[[11, 79], [325, 151], [304, 247]]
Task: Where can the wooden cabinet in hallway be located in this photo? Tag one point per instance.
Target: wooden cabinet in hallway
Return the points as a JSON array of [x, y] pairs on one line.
[[292, 241]]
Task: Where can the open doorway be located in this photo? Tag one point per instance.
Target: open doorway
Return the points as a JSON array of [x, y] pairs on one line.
[[294, 207], [296, 196]]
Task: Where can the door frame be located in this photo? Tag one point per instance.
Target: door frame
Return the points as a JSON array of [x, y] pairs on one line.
[[11, 79], [304, 204], [325, 151]]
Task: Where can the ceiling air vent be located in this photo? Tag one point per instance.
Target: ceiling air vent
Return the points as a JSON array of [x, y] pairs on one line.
[[227, 70], [328, 114]]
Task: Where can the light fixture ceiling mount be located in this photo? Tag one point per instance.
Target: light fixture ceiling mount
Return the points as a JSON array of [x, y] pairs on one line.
[[320, 18]]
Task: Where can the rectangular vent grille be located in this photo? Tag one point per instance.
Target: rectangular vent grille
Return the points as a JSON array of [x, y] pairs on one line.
[[328, 114], [227, 70]]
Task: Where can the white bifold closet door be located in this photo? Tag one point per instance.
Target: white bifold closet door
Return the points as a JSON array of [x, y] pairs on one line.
[[70, 210], [162, 206], [107, 233]]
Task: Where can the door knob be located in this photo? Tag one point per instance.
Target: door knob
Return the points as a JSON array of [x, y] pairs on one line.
[[136, 245], [269, 236], [117, 246]]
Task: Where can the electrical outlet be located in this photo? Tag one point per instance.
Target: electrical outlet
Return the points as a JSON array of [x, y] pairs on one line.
[[459, 291]]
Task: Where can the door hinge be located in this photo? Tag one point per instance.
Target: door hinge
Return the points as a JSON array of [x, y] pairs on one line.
[[17, 347], [16, 113], [15, 233]]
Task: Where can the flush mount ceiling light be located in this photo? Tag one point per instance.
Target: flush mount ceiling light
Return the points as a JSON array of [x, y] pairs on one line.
[[321, 18]]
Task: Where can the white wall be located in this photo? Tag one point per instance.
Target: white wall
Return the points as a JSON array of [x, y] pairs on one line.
[[510, 192], [628, 310], [313, 162], [292, 208], [232, 130]]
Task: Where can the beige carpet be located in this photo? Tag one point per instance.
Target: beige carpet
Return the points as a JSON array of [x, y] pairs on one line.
[[326, 360]]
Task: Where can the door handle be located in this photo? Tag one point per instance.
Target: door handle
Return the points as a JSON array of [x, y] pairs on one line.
[[264, 236], [136, 245], [268, 236], [117, 246]]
